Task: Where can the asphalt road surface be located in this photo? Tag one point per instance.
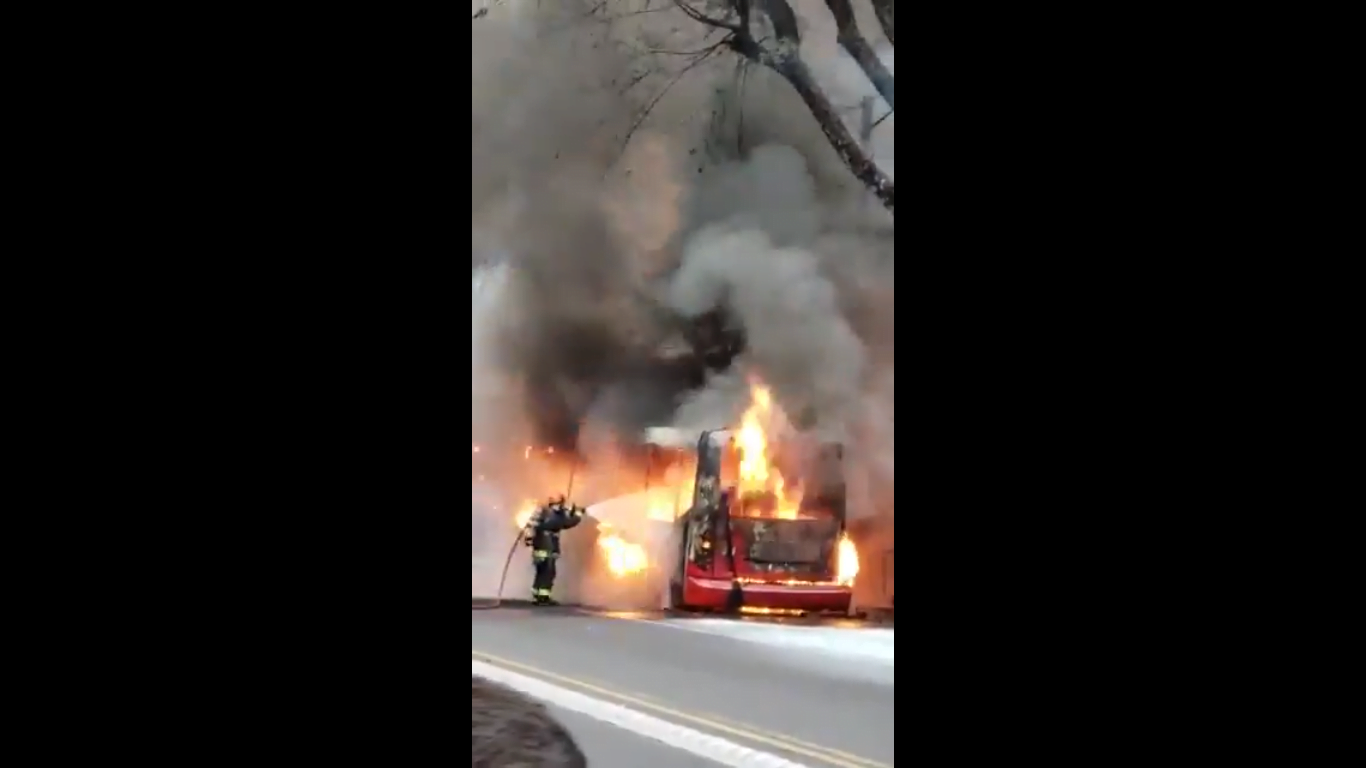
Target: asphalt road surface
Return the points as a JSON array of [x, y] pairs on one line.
[[814, 709]]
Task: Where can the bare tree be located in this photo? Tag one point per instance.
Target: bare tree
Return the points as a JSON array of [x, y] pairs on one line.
[[767, 32]]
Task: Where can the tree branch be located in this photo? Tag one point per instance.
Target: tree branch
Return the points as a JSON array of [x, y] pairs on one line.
[[852, 40], [711, 47], [645, 113], [703, 18], [796, 72]]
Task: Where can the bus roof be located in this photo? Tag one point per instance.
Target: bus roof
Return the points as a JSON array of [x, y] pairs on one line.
[[672, 437]]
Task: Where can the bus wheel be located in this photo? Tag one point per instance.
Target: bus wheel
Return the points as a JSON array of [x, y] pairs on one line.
[[676, 596]]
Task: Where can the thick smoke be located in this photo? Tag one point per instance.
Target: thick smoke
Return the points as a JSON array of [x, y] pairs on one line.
[[587, 245]]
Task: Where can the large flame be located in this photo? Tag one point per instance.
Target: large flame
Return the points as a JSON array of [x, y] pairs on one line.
[[763, 491], [666, 503], [758, 477], [847, 562], [523, 517], [622, 557]]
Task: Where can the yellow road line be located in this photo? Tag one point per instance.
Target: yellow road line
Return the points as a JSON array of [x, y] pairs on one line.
[[787, 743]]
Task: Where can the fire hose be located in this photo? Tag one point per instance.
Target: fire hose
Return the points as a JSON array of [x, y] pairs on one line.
[[497, 601]]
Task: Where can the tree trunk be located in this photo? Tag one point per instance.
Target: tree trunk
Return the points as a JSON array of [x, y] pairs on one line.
[[883, 10], [853, 41]]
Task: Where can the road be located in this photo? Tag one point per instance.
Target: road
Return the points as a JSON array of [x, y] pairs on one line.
[[812, 707]]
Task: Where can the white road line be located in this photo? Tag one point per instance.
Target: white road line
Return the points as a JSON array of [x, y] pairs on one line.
[[679, 737]]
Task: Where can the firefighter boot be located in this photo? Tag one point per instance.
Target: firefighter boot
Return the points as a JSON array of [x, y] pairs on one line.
[[544, 581]]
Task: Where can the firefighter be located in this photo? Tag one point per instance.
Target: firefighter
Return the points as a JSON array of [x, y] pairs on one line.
[[544, 539]]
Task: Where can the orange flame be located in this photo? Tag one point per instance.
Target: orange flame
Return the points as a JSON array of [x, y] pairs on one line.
[[666, 503], [847, 566], [623, 558], [523, 517], [758, 477]]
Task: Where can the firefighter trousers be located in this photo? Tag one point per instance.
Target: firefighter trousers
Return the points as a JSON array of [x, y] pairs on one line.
[[544, 562]]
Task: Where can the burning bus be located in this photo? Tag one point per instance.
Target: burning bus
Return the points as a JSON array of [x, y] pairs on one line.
[[758, 529]]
